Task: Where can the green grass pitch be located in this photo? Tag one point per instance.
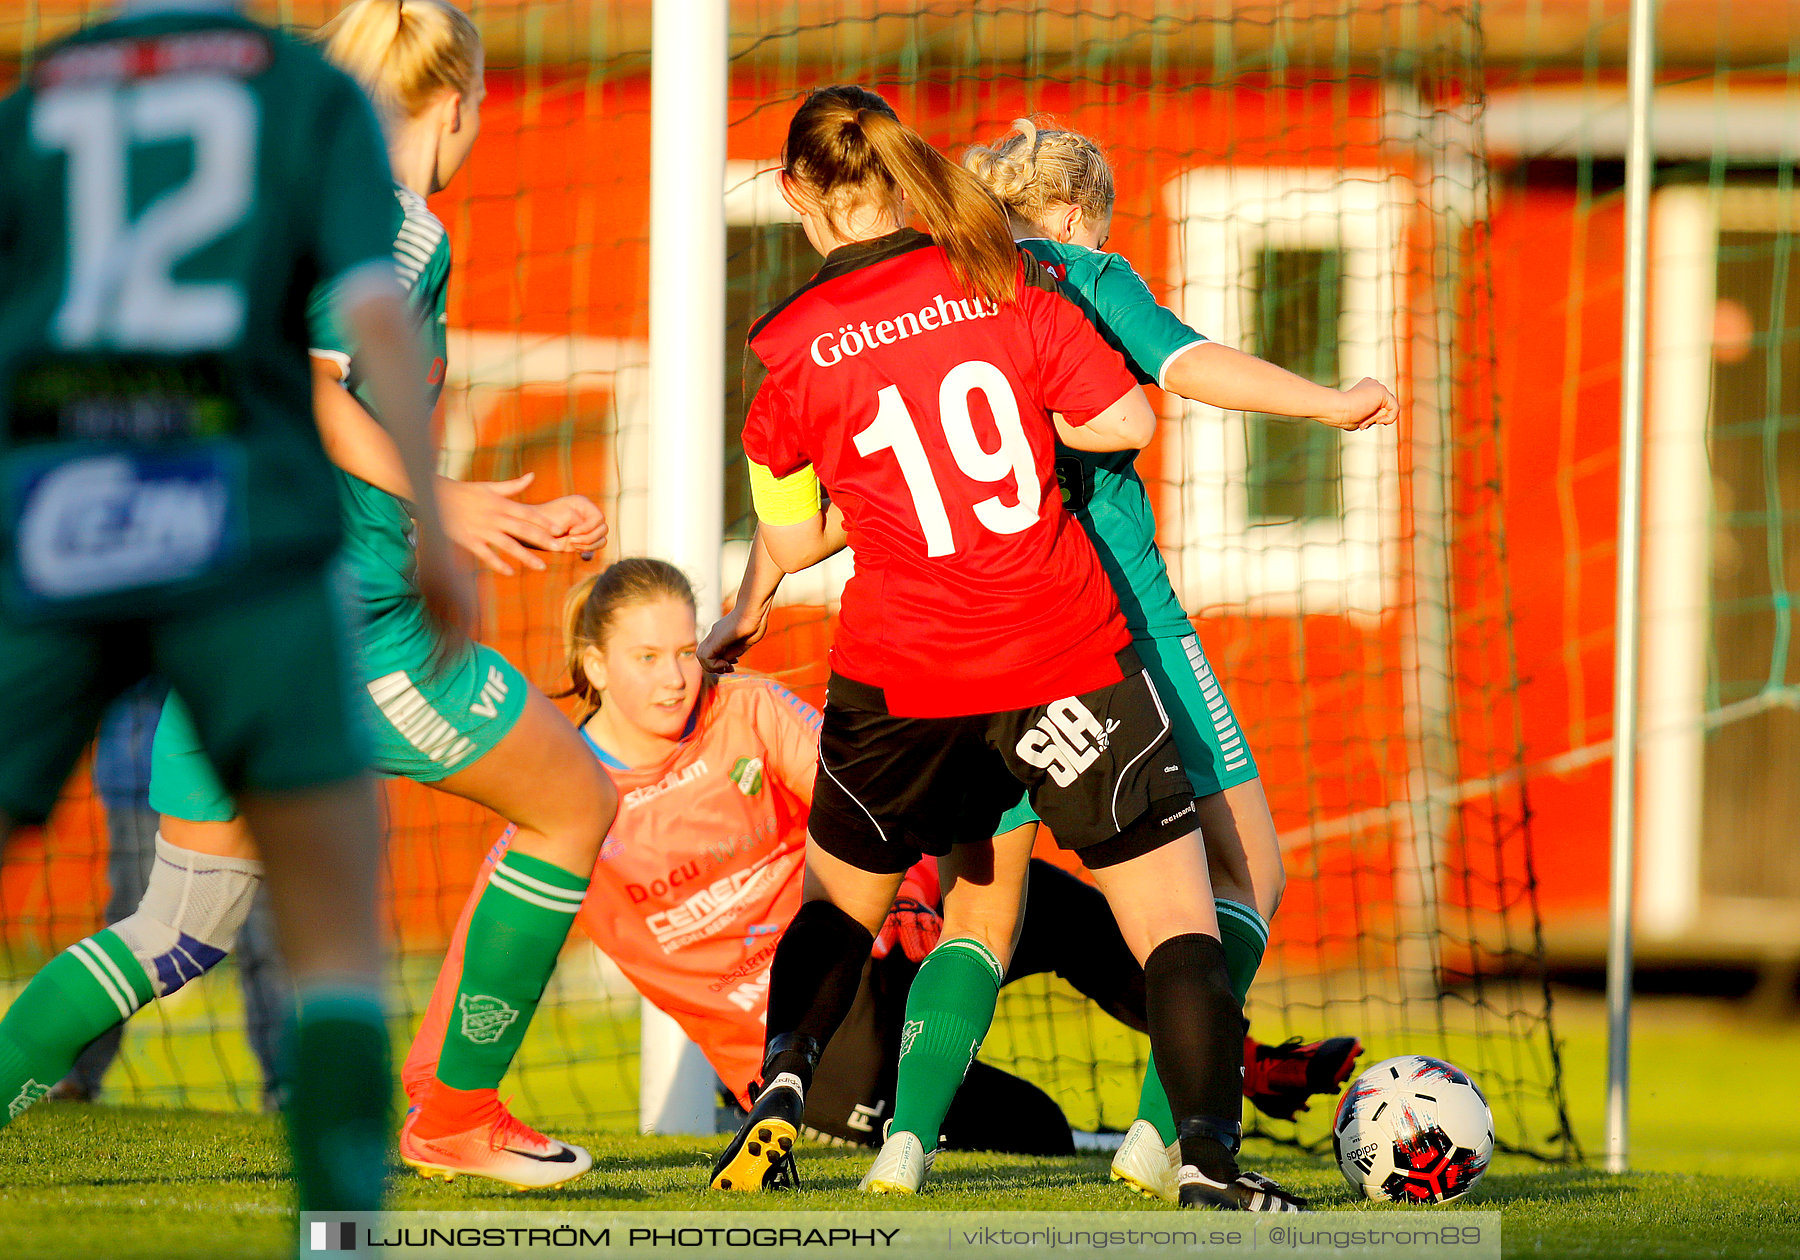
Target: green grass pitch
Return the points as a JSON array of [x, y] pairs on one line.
[[1718, 1167]]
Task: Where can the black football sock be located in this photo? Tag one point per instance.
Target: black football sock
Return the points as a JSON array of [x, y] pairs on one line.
[[812, 985], [1196, 1032]]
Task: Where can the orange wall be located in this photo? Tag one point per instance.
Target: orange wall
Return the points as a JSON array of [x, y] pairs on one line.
[[1557, 307]]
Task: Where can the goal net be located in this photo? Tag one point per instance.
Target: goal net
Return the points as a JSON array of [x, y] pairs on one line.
[[1351, 189]]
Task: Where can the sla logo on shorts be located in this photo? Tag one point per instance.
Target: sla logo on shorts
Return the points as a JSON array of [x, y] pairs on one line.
[[748, 775], [29, 1093], [484, 1018], [1066, 740]]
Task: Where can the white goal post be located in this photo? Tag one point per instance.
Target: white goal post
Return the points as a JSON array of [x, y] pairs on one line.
[[686, 508]]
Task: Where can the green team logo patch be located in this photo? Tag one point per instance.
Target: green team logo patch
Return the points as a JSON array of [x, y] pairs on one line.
[[909, 1033], [29, 1093], [748, 775], [484, 1018]]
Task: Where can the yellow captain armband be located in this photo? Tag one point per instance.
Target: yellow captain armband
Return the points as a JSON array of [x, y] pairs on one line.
[[785, 500]]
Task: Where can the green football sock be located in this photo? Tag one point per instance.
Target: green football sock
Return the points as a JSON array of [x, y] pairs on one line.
[[947, 1014], [92, 986], [518, 928], [1245, 936], [339, 1083]]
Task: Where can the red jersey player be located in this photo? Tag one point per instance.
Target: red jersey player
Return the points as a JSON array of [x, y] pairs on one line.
[[923, 380]]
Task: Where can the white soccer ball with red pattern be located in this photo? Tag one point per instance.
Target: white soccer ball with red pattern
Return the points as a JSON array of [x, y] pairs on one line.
[[1413, 1130]]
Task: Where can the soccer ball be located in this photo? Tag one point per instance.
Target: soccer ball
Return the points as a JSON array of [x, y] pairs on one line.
[[1413, 1130]]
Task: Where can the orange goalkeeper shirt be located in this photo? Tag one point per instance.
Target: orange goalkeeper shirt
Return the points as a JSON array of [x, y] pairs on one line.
[[697, 878], [702, 868]]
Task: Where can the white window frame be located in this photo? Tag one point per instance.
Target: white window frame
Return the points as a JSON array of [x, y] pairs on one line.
[[486, 366], [752, 198], [1223, 218], [1686, 223]]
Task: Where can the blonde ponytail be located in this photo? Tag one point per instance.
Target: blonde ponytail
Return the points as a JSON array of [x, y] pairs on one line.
[[846, 142], [1033, 167], [404, 52]]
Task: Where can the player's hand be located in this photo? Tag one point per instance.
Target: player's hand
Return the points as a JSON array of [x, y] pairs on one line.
[[912, 925], [731, 636], [447, 587], [577, 522], [1366, 403], [485, 520]]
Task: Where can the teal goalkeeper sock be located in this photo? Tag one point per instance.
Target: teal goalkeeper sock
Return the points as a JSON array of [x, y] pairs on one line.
[[92, 986], [947, 1014], [339, 1084], [1245, 936], [518, 928]]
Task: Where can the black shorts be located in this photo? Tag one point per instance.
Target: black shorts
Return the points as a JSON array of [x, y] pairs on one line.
[[1102, 770]]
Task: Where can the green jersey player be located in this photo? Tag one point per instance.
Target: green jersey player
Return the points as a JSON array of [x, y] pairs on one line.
[[1058, 188], [440, 710], [173, 186], [455, 715]]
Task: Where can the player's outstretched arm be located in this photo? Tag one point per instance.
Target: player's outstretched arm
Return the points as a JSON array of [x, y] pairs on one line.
[[1127, 425], [487, 521], [481, 517], [1223, 377], [389, 360], [746, 617]]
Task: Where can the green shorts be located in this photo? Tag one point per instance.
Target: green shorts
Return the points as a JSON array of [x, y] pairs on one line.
[[425, 724], [267, 678], [1212, 746]]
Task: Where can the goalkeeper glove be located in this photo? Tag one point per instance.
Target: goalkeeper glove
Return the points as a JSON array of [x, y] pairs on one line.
[[911, 924]]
